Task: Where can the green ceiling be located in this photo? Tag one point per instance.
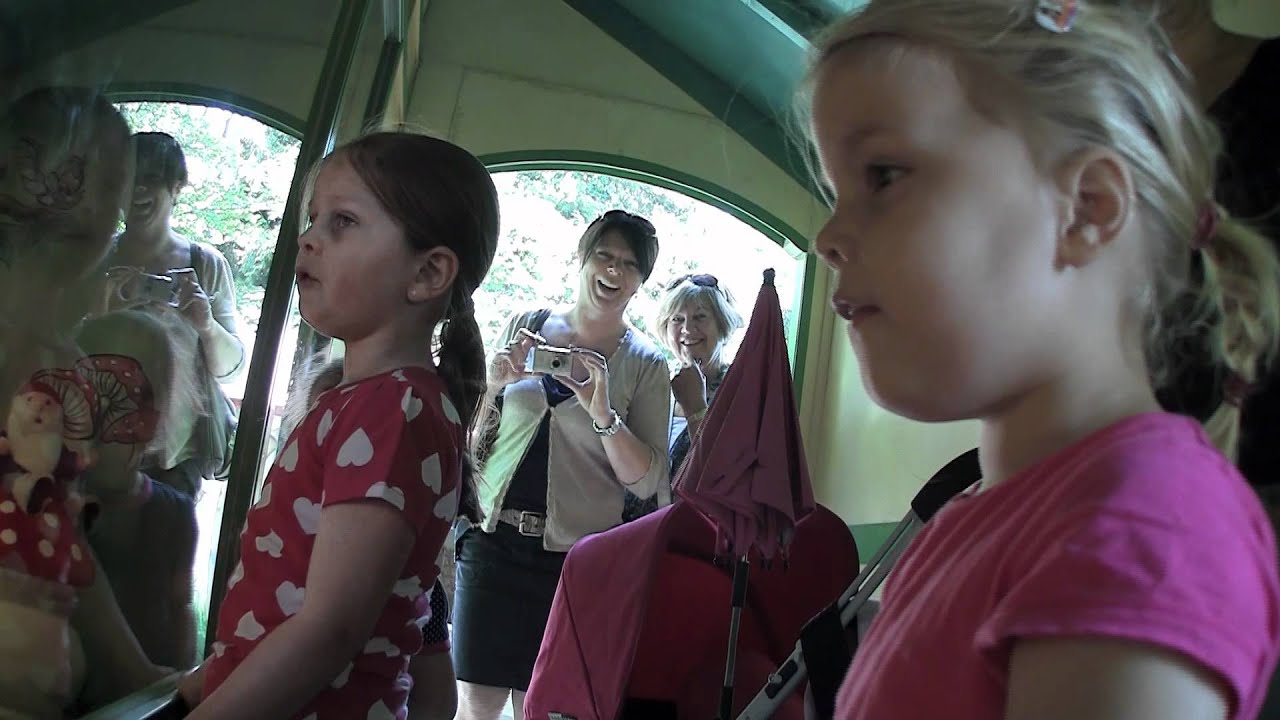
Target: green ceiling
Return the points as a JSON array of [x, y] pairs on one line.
[[33, 31], [740, 59]]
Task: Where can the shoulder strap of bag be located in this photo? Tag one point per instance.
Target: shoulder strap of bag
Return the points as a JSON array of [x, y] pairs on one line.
[[539, 319]]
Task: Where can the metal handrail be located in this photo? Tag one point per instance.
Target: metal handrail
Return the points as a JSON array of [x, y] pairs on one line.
[[154, 702]]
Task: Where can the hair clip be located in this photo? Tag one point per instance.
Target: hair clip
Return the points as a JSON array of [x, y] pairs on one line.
[[1057, 16]]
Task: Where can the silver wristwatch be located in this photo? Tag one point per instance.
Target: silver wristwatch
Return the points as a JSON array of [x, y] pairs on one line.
[[609, 430]]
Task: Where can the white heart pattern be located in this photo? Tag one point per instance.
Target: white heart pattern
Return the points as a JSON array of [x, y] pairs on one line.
[[410, 404], [410, 587], [236, 575], [289, 459], [381, 645], [380, 711], [270, 544], [249, 628], [447, 508], [399, 375], [264, 497], [343, 677], [450, 411], [308, 514], [289, 597], [357, 450], [393, 495], [219, 649], [431, 474], [324, 426]]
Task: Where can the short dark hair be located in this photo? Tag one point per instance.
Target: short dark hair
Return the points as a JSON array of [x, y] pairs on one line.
[[160, 155], [639, 233]]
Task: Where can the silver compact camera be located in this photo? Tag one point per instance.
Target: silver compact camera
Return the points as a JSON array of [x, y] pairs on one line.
[[148, 288], [549, 360]]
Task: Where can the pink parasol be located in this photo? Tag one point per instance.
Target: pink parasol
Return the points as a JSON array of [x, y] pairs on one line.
[[746, 470]]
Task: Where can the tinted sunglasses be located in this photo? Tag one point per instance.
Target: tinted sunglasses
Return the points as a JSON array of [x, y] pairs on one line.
[[699, 279], [624, 216]]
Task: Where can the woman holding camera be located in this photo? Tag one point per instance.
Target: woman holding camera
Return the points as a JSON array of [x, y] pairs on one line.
[[581, 412], [152, 266], [147, 544]]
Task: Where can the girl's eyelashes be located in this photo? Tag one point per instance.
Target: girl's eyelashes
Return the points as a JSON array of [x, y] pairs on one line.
[[880, 176], [337, 220]]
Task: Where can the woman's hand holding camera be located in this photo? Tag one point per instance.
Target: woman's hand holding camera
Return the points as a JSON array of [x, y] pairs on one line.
[[508, 364], [194, 304], [593, 393]]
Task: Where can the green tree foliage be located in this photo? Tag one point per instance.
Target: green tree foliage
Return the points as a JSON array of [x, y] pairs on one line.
[[241, 170], [582, 197]]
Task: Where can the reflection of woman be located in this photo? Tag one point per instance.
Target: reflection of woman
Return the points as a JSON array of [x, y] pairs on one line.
[[695, 320], [148, 544], [203, 292], [563, 449], [63, 177]]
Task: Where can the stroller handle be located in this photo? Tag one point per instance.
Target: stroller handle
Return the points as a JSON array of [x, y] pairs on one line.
[[954, 478]]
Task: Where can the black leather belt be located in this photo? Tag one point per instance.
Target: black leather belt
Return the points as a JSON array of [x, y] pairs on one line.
[[529, 524]]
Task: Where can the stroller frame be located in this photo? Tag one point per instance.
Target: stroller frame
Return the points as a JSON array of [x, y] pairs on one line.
[[955, 477]]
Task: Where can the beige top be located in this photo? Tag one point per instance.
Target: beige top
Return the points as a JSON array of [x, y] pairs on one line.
[[584, 496]]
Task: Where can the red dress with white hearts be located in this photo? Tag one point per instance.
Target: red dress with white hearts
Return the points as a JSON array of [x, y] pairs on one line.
[[394, 437]]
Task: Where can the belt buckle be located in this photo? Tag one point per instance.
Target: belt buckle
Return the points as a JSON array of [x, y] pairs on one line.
[[530, 525]]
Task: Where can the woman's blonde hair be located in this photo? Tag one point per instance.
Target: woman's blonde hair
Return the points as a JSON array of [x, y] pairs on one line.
[[704, 291], [1111, 80], [316, 374]]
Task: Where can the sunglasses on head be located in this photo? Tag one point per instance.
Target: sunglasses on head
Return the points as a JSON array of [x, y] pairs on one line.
[[699, 279], [624, 216]]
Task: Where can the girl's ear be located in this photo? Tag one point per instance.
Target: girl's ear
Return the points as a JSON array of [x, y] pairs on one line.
[[437, 269], [1100, 199]]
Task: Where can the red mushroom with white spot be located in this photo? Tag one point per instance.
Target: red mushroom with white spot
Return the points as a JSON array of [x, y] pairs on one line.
[[127, 411]]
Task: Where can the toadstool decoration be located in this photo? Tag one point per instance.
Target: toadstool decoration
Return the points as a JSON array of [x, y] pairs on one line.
[[126, 404]]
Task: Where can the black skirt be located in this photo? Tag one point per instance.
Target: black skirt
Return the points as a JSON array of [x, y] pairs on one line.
[[505, 585]]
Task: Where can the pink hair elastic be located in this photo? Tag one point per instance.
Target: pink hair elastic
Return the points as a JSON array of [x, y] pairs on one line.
[[1057, 16]]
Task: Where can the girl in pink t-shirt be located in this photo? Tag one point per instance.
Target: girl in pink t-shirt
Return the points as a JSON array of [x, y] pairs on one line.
[[327, 604], [1023, 229]]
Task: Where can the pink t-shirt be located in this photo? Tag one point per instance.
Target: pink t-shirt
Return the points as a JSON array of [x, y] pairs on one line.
[[395, 438], [1142, 531]]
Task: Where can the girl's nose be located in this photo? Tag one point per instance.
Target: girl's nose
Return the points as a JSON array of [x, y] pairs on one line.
[[305, 241], [834, 243]]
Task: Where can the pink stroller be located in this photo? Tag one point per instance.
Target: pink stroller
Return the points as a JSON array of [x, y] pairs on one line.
[[640, 623]]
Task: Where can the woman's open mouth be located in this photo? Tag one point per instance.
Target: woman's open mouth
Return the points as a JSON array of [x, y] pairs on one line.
[[608, 288]]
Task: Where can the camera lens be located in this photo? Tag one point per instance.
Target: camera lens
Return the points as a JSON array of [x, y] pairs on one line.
[[555, 364]]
